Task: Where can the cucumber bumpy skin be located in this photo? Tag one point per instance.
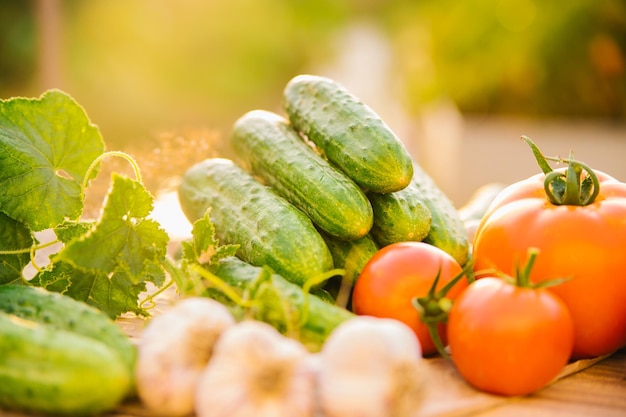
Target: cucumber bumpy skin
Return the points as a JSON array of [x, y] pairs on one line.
[[269, 148], [270, 230], [351, 134], [447, 230], [66, 313], [48, 370], [351, 256], [400, 216]]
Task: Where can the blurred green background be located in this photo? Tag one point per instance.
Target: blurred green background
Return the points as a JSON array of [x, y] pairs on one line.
[[144, 66]]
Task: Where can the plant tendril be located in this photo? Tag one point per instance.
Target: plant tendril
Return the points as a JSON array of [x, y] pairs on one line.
[[102, 156]]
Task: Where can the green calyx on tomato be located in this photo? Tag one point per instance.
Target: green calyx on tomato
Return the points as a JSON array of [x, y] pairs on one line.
[[577, 186], [433, 308], [521, 276]]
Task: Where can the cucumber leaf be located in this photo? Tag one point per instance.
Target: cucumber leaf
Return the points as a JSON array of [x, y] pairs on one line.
[[68, 231], [14, 236], [114, 295], [204, 248], [46, 147], [123, 238], [56, 277]]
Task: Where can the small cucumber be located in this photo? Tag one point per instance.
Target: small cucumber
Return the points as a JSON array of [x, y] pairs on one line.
[[447, 230], [47, 370], [400, 216], [283, 296], [351, 256], [269, 148], [351, 134], [270, 230], [65, 313]]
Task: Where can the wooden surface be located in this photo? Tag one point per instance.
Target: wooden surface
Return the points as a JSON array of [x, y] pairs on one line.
[[598, 390]]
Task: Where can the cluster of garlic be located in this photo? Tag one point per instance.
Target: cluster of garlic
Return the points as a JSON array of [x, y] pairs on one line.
[[195, 358]]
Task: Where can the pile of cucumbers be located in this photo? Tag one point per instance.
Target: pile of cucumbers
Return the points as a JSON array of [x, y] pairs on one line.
[[323, 187], [60, 356]]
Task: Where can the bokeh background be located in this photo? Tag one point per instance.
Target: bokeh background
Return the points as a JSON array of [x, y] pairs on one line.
[[459, 81]]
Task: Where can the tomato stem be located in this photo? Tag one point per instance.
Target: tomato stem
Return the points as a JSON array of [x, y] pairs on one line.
[[434, 307], [521, 277], [578, 185]]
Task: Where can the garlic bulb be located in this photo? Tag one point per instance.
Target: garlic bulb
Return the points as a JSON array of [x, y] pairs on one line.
[[174, 349], [256, 371], [370, 367]]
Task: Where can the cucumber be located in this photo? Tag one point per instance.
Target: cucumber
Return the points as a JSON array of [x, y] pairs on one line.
[[268, 229], [65, 313], [47, 370], [350, 134], [351, 256], [321, 318], [447, 230], [400, 216], [269, 148]]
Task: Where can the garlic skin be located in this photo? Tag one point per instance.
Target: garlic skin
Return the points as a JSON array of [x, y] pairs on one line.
[[256, 371], [371, 367], [174, 349]]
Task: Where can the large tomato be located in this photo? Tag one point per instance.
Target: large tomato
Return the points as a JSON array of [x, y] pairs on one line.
[[581, 240], [398, 273], [507, 339]]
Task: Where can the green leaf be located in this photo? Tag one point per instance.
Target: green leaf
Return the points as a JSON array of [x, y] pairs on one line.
[[69, 231], [57, 277], [123, 239], [46, 147], [114, 295], [14, 236], [204, 248]]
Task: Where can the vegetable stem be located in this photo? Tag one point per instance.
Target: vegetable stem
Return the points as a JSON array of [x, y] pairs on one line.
[[434, 307], [576, 186]]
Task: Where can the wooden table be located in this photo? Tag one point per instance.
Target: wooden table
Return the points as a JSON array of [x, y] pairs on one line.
[[595, 388], [590, 388]]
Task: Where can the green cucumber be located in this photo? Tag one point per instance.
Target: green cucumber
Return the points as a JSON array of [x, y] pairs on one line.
[[321, 317], [47, 370], [350, 134], [268, 229], [65, 313], [447, 230], [351, 256], [400, 216], [269, 148]]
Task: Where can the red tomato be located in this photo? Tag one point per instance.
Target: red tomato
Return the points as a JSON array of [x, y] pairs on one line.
[[395, 275], [509, 340], [586, 243]]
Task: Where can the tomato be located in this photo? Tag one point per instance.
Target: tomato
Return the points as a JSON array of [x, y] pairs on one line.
[[509, 340], [586, 243], [395, 275]]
